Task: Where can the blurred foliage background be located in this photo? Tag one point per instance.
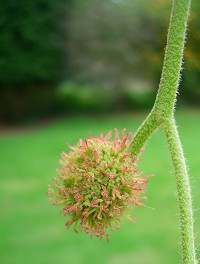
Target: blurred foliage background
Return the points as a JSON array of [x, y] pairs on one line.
[[96, 64], [87, 56]]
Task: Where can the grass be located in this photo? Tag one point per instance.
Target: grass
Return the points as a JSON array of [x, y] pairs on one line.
[[33, 232]]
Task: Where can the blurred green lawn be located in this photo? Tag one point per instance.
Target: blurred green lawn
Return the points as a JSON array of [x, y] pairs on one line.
[[32, 231]]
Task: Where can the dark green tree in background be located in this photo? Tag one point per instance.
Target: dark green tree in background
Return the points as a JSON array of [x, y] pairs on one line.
[[30, 55]]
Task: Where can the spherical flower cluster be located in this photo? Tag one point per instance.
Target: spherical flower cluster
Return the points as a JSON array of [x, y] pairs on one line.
[[98, 183]]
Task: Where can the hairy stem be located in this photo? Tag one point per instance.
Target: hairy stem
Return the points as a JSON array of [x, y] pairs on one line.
[[166, 97], [183, 190], [144, 132], [162, 116]]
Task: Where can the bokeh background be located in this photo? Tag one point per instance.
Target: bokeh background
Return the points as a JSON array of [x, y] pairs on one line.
[[68, 67]]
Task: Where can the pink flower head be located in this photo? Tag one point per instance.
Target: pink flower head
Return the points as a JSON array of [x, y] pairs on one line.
[[98, 183]]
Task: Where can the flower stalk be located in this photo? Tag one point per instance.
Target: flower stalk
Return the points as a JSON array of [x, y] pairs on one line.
[[162, 116]]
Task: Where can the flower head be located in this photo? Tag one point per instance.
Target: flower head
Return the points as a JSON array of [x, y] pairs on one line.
[[97, 183]]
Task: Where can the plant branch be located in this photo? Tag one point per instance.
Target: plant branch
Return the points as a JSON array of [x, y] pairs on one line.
[[162, 115], [143, 133], [166, 97], [183, 190]]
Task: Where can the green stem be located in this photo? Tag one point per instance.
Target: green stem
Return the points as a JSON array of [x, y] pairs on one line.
[[144, 132], [183, 190], [166, 97], [162, 116]]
